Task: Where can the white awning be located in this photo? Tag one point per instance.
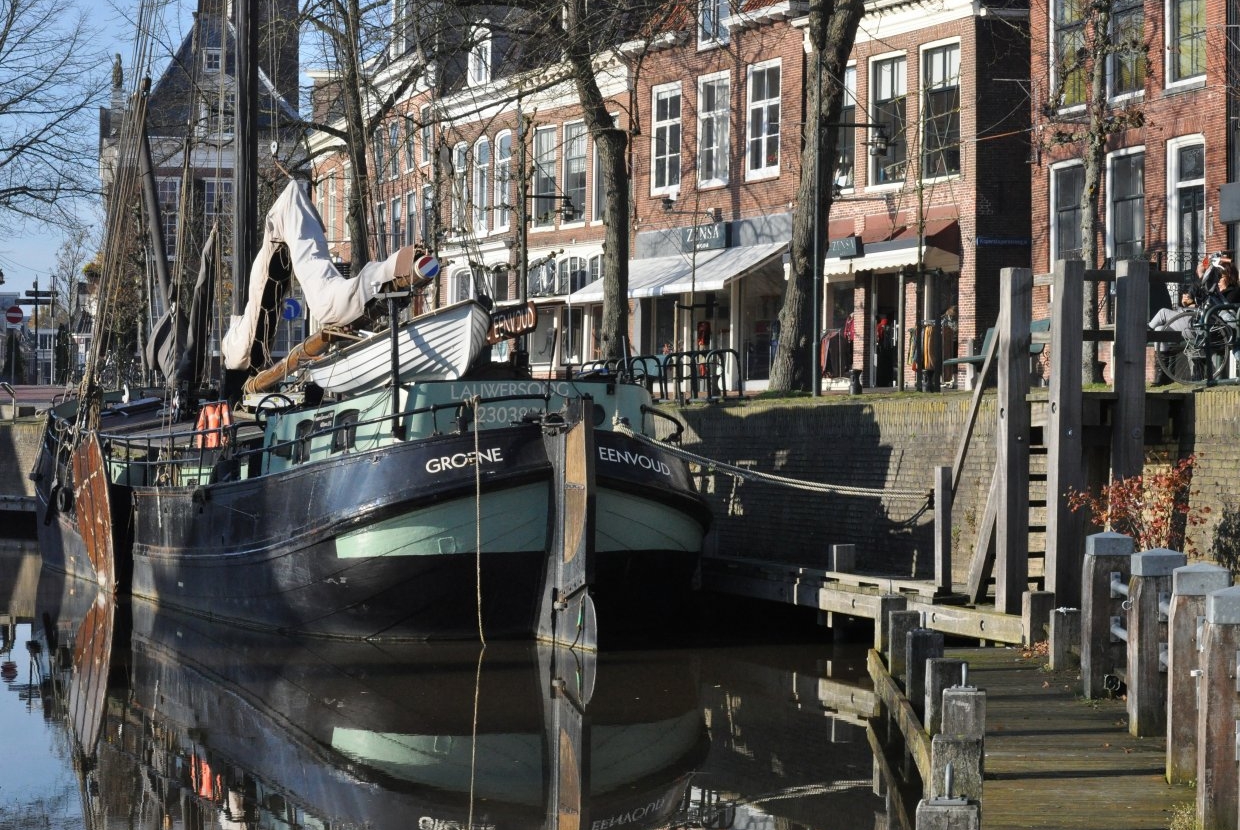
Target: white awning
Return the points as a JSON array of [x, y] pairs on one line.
[[838, 270], [715, 269], [647, 277]]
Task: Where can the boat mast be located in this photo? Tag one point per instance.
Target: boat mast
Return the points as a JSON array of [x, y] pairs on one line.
[[245, 173]]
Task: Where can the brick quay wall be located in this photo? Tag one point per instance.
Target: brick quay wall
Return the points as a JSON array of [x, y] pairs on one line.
[[896, 441]]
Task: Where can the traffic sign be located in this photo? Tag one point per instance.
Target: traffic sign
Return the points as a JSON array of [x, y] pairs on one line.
[[291, 309], [14, 315]]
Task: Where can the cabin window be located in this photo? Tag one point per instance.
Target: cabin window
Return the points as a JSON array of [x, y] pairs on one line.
[[344, 437], [301, 441]]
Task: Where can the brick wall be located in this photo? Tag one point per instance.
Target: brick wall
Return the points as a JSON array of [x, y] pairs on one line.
[[19, 447]]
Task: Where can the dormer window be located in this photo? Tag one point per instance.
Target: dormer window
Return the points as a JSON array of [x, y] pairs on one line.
[[712, 22], [211, 60], [480, 55]]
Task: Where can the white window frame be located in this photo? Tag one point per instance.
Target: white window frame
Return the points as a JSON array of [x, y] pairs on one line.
[[1174, 183], [331, 207], [480, 55], [847, 138], [923, 108], [712, 23], [598, 192], [875, 162], [411, 217], [481, 191], [1110, 199], [411, 159], [721, 117], [1114, 59], [659, 128], [766, 170], [428, 136], [1197, 78], [545, 167], [396, 235], [394, 149], [381, 236], [1053, 201], [503, 181], [168, 194], [460, 285], [584, 139], [212, 60], [1053, 51]]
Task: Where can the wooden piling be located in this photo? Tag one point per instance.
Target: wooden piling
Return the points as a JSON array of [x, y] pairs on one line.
[[901, 623], [882, 620], [943, 529], [1217, 783], [1035, 614], [942, 673], [1012, 439], [1132, 300], [1105, 553], [922, 645], [1065, 645], [1190, 584], [1149, 585]]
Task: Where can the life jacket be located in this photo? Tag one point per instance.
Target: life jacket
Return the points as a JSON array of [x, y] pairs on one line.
[[214, 419]]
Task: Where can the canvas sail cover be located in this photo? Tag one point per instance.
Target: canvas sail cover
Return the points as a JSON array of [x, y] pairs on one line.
[[333, 300]]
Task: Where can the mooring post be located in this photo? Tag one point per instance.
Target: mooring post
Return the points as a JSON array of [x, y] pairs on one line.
[[1105, 554], [923, 644], [1065, 636], [1035, 614], [1149, 594], [1217, 783], [887, 603], [941, 674], [961, 744], [901, 622], [1190, 584]]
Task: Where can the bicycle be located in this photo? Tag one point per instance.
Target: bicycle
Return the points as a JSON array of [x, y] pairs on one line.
[[1208, 331]]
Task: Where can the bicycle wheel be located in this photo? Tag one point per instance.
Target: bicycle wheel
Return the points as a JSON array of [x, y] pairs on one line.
[[1186, 363]]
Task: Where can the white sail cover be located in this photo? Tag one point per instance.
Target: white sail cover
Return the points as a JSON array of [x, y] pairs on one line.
[[333, 300]]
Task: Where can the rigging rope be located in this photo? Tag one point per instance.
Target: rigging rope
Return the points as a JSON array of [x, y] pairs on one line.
[[714, 466]]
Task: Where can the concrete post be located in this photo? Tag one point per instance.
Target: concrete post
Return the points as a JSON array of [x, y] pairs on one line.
[[942, 673], [882, 620], [1217, 783], [901, 623], [1149, 587], [1105, 553], [922, 644], [964, 712], [1065, 635], [961, 744], [1190, 584], [1035, 613]]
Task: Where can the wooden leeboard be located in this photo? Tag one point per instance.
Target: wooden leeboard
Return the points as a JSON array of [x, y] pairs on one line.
[[92, 503], [92, 655]]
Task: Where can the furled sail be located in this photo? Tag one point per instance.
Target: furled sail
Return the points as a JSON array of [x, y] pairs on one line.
[[333, 300]]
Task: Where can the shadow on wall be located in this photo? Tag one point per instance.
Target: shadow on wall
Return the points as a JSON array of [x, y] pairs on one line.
[[880, 444]]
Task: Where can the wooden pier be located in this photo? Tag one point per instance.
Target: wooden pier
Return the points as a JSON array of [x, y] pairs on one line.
[[1056, 760]]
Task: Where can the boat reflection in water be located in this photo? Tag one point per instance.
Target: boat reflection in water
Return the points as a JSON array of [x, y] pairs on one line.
[[223, 726]]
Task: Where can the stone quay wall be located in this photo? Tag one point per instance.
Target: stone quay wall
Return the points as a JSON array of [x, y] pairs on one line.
[[896, 441]]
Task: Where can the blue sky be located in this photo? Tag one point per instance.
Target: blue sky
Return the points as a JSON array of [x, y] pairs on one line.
[[31, 250]]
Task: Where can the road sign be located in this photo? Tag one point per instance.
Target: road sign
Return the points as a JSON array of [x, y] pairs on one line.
[[291, 309], [30, 293], [14, 315]]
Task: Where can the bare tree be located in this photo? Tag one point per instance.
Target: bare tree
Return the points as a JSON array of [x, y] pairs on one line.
[[1094, 40], [832, 31], [52, 78]]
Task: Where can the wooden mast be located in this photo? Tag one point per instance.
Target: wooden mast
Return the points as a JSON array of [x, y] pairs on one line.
[[245, 173]]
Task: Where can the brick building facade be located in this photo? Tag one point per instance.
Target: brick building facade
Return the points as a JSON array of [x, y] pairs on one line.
[[714, 107]]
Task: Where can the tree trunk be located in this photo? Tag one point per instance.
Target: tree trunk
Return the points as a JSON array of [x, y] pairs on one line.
[[1094, 153], [832, 31], [611, 143]]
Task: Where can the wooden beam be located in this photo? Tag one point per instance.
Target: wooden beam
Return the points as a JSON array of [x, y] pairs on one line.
[[1128, 369], [1012, 440]]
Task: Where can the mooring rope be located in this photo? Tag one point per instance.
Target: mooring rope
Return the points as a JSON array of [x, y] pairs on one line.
[[474, 402], [715, 466]]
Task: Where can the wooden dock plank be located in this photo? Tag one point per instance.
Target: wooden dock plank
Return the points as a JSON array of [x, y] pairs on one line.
[[1055, 760]]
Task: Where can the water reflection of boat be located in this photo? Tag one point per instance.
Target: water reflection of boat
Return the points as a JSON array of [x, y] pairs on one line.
[[72, 650], [244, 726]]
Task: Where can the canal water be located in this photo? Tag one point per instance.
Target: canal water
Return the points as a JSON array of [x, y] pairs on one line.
[[125, 714]]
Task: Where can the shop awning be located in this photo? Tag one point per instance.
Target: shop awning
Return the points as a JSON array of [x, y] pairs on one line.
[[898, 249], [680, 274], [647, 277], [717, 269]]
